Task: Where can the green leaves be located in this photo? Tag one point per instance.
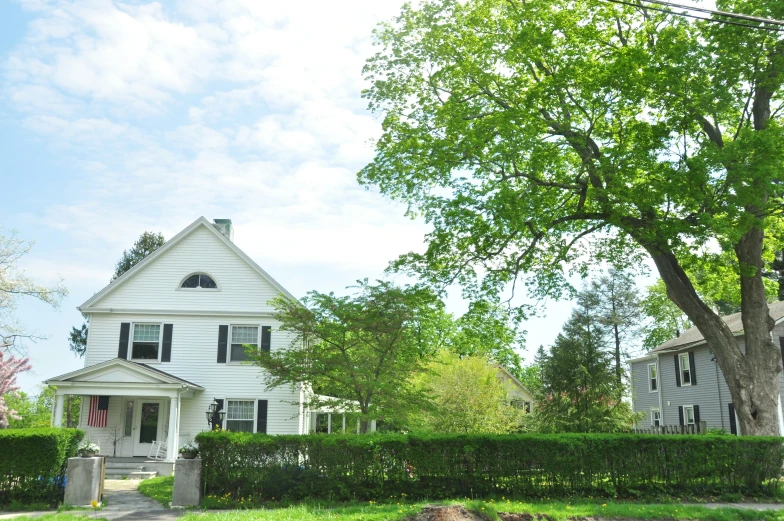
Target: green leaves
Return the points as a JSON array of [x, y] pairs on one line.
[[520, 130]]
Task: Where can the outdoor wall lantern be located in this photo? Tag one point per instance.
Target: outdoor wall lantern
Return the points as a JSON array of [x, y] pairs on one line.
[[214, 415]]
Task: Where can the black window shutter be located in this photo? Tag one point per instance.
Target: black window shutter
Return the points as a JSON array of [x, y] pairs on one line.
[[677, 373], [733, 426], [261, 417], [781, 343], [223, 342], [692, 368], [167, 339], [125, 331], [266, 338], [696, 414], [680, 414]]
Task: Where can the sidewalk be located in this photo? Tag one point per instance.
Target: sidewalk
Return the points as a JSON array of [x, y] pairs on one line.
[[123, 501]]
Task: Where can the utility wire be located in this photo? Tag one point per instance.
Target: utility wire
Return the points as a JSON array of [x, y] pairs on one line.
[[719, 13], [712, 20]]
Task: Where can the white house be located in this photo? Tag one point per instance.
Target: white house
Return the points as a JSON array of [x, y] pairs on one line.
[[165, 340]]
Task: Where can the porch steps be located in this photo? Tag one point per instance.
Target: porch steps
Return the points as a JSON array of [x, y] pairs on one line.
[[120, 470]]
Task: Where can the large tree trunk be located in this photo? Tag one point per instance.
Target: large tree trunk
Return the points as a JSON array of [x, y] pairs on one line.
[[753, 377]]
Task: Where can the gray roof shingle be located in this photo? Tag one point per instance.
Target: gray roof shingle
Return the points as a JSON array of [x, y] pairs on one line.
[[693, 336]]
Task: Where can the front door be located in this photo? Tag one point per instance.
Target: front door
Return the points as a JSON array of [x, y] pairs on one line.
[[147, 425]]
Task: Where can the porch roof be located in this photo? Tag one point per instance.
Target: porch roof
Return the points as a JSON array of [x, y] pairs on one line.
[[118, 377]]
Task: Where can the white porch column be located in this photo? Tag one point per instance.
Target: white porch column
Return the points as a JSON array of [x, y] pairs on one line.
[[57, 421], [171, 441]]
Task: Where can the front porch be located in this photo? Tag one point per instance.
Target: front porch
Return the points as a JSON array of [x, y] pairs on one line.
[[138, 415]]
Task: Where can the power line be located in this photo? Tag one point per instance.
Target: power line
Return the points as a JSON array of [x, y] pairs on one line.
[[719, 13], [712, 20]]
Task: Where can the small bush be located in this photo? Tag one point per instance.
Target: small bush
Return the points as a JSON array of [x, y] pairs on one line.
[[33, 464], [256, 467]]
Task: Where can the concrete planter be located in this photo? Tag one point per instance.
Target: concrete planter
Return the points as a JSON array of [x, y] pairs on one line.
[[188, 455]]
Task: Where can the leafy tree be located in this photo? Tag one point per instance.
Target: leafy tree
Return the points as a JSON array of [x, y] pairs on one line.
[[147, 243], [531, 376], [36, 411], [364, 348], [489, 330], [580, 391], [10, 367], [15, 284], [542, 137], [613, 297], [468, 397], [665, 319]]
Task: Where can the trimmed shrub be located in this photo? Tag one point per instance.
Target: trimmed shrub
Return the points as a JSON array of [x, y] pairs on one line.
[[33, 464], [261, 467]]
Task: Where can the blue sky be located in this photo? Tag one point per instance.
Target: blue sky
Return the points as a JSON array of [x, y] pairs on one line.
[[118, 118]]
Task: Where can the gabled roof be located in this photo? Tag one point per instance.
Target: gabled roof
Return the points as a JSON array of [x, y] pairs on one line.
[[130, 369], [201, 221], [514, 379], [692, 336]]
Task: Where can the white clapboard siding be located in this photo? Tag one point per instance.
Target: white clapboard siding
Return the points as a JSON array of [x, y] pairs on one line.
[[194, 358], [156, 285]]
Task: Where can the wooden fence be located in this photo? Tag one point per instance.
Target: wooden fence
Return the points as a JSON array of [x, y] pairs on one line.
[[697, 428]]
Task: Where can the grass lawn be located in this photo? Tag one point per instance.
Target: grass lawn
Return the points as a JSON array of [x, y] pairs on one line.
[[64, 516], [560, 511], [160, 489]]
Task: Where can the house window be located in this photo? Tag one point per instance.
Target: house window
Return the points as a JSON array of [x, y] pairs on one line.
[[685, 368], [146, 341], [322, 423], [688, 414], [198, 280], [240, 337], [655, 417], [240, 415], [653, 378], [128, 418]]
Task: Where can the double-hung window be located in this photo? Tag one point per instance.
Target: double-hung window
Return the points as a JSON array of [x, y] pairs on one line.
[[240, 415], [653, 378], [240, 337], [655, 417], [688, 414], [146, 343], [685, 368]]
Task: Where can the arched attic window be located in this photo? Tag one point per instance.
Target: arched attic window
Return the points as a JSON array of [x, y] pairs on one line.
[[198, 281]]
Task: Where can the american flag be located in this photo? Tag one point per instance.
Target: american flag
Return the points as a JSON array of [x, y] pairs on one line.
[[99, 411]]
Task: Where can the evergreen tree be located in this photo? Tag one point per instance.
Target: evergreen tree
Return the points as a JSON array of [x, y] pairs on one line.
[[147, 243], [580, 390], [614, 299]]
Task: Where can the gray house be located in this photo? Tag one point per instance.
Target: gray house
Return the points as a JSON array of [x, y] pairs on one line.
[[680, 383]]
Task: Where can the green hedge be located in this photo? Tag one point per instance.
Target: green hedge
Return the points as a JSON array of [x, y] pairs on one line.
[[263, 467], [33, 464]]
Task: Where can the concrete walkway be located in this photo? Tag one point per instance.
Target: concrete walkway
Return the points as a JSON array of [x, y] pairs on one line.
[[123, 501], [747, 506]]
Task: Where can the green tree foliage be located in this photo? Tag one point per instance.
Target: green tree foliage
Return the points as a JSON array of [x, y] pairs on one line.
[[489, 330], [468, 397], [36, 411], [147, 243], [580, 391], [538, 138], [665, 319], [614, 300], [14, 284], [363, 348]]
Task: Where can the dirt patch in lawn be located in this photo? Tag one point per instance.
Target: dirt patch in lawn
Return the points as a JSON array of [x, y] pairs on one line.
[[460, 513], [446, 513]]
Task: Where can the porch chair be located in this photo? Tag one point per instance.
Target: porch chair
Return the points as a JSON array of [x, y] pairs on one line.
[[158, 450]]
